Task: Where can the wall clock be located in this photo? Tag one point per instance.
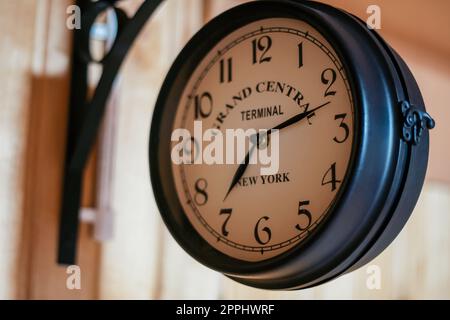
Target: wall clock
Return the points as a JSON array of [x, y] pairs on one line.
[[353, 144]]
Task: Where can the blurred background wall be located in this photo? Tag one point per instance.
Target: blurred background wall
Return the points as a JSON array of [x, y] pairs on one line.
[[141, 260]]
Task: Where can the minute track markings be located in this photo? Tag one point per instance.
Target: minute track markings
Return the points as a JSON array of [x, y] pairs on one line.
[[267, 30], [306, 35]]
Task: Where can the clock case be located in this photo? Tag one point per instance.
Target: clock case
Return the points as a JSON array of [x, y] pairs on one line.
[[386, 171]]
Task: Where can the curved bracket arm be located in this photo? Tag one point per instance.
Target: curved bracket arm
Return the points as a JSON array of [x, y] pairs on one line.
[[85, 115]]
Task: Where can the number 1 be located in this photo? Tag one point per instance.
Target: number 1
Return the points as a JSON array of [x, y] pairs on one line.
[[300, 54]]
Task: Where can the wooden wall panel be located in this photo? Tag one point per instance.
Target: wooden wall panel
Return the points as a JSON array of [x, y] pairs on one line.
[[16, 63], [195, 281], [142, 261], [132, 263], [34, 66], [129, 262], [41, 277]]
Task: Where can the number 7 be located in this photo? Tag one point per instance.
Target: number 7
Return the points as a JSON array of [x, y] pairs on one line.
[[224, 225]]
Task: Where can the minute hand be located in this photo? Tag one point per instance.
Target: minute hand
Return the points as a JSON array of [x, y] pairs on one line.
[[297, 117]]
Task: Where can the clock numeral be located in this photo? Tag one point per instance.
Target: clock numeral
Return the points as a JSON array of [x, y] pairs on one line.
[[264, 233], [328, 78], [304, 213], [262, 45], [192, 148], [203, 105], [226, 70], [224, 225], [300, 54], [201, 196], [342, 125], [332, 180]]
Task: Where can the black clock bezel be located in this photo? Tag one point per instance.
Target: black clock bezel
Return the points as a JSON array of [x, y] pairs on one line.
[[359, 213]]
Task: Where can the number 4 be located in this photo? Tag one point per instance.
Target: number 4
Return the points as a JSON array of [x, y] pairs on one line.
[[332, 180]]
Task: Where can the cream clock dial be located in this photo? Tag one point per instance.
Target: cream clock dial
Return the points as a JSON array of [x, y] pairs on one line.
[[272, 72]]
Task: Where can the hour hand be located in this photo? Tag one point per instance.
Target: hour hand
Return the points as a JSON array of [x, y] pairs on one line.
[[240, 171]]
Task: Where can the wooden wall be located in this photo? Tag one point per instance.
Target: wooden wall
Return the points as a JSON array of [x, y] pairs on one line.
[[35, 71], [16, 53], [142, 261]]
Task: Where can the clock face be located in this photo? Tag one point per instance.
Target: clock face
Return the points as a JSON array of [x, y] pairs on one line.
[[258, 77]]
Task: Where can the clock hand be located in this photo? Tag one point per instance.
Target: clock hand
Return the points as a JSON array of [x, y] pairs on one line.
[[240, 171], [297, 118], [243, 166]]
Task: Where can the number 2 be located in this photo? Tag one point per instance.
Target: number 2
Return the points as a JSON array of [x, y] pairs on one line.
[[326, 80]]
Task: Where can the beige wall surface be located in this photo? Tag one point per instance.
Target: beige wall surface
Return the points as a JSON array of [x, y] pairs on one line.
[[142, 261]]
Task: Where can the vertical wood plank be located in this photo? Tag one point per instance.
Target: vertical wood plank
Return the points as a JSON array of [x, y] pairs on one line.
[[16, 62], [132, 262], [435, 209], [142, 261], [46, 147], [194, 281]]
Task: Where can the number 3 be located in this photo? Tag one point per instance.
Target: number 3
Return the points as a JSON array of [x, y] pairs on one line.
[[343, 126]]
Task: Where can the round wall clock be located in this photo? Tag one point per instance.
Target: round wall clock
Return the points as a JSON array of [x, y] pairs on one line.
[[352, 138]]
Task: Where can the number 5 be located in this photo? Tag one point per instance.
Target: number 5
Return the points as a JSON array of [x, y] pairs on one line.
[[306, 213]]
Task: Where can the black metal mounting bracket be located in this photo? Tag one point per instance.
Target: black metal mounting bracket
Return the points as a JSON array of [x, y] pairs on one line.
[[415, 121], [85, 114]]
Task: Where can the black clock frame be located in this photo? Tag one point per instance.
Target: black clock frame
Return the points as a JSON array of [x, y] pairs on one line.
[[387, 166]]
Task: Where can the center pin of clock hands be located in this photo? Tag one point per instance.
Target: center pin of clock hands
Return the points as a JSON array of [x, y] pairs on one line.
[[243, 166]]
